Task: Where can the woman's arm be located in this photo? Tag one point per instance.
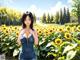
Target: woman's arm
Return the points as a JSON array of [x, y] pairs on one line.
[[35, 35], [18, 40], [35, 38]]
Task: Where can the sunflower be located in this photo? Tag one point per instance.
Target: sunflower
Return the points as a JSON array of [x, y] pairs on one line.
[[6, 32], [4, 28], [15, 27], [60, 29], [58, 41], [46, 32], [39, 32], [67, 36], [50, 30], [53, 29], [17, 34], [68, 29]]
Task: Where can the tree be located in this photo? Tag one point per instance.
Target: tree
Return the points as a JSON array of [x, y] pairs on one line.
[[57, 18], [34, 17], [44, 18], [51, 20], [64, 16], [76, 8], [68, 16], [48, 18], [61, 17]]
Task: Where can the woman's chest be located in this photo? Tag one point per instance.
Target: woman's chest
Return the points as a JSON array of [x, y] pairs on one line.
[[28, 40]]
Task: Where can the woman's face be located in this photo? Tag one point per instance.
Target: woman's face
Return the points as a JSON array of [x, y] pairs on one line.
[[27, 21]]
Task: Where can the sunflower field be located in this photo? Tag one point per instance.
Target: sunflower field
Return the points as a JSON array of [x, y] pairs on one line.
[[56, 42]]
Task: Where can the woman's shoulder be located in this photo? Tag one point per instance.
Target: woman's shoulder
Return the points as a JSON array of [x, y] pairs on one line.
[[22, 31], [35, 31]]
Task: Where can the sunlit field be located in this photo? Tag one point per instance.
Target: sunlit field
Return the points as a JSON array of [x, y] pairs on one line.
[[57, 23], [60, 41]]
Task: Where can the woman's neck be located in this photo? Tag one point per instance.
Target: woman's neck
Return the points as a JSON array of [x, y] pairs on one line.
[[27, 28]]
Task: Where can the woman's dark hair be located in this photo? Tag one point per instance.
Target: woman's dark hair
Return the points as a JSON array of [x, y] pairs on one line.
[[24, 17]]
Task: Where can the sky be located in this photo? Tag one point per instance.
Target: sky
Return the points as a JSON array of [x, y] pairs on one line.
[[37, 6]]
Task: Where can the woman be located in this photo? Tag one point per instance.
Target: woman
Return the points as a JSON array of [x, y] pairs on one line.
[[27, 38]]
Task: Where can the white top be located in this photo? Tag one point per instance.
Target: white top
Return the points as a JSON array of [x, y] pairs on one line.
[[24, 35]]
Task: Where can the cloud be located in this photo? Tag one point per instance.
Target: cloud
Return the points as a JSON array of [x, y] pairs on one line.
[[57, 7], [69, 1], [34, 9], [38, 11], [52, 10]]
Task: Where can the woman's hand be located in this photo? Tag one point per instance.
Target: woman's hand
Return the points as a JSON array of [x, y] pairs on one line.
[[35, 35]]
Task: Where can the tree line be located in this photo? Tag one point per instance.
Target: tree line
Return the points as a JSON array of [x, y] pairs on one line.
[[61, 17], [10, 16]]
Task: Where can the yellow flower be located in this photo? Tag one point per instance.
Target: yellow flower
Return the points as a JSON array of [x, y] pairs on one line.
[[58, 41], [50, 30], [15, 27], [6, 32], [3, 25], [39, 32], [68, 29], [60, 29], [17, 34], [46, 32], [53, 29], [4, 28], [67, 36], [73, 29]]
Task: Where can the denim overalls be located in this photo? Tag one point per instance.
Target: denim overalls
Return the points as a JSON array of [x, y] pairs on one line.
[[27, 50]]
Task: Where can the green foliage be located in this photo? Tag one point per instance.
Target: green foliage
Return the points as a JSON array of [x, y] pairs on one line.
[[44, 18], [48, 18], [47, 49], [8, 43], [76, 9]]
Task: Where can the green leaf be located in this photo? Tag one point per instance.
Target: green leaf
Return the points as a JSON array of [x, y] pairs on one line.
[[11, 47], [61, 58], [70, 55], [15, 53], [67, 48]]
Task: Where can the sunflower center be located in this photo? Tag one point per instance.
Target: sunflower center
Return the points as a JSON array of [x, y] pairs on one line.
[[68, 36], [50, 30], [58, 41]]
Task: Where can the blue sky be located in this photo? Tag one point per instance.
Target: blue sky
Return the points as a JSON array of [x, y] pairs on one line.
[[37, 6]]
